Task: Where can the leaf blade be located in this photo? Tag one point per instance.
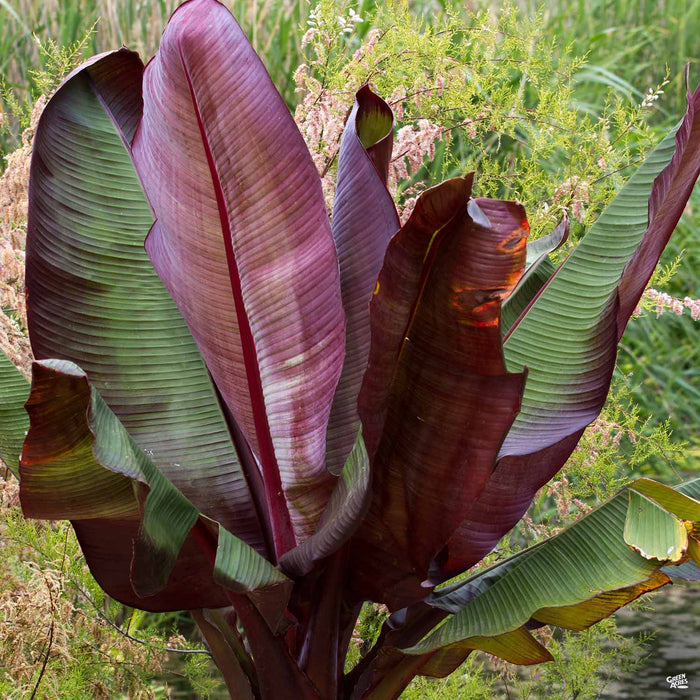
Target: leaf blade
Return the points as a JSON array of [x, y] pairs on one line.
[[80, 463], [14, 423], [573, 579], [249, 260], [437, 447], [364, 219], [96, 300], [567, 338], [343, 515]]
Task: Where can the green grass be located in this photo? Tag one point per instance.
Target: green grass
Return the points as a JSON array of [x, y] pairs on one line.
[[272, 26], [629, 42]]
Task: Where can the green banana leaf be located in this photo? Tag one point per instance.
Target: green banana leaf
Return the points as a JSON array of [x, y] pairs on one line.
[[577, 577]]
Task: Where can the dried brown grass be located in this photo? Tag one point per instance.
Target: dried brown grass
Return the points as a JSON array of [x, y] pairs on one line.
[[13, 234], [52, 633]]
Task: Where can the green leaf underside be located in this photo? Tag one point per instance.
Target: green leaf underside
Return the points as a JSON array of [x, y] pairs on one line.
[[79, 462], [689, 488], [97, 301], [653, 531], [682, 504], [532, 281], [559, 336], [538, 269], [14, 422], [240, 568], [573, 580], [538, 249]]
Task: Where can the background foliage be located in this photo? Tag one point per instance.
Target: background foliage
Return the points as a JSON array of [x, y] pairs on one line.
[[550, 102]]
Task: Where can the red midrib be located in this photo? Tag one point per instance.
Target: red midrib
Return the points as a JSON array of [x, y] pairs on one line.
[[282, 532]]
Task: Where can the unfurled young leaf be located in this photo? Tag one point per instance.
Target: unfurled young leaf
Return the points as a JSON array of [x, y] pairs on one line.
[[364, 220]]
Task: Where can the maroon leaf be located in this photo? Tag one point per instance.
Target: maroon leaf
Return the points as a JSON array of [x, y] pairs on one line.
[[400, 284], [60, 478], [243, 245], [108, 547], [364, 219], [504, 500], [442, 399]]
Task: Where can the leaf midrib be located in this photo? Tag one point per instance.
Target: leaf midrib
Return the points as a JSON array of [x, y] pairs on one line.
[[283, 533]]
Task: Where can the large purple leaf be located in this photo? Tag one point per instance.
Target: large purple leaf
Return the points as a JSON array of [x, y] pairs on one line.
[[444, 401], [568, 336], [94, 298], [364, 219], [243, 244]]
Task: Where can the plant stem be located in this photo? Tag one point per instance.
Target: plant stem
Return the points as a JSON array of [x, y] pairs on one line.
[[237, 682], [279, 675], [319, 651], [226, 624]]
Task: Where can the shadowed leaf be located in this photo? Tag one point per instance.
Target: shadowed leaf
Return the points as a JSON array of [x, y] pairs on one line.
[[343, 515], [80, 463]]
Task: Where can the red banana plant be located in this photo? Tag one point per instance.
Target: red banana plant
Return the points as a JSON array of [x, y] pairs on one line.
[[269, 419]]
